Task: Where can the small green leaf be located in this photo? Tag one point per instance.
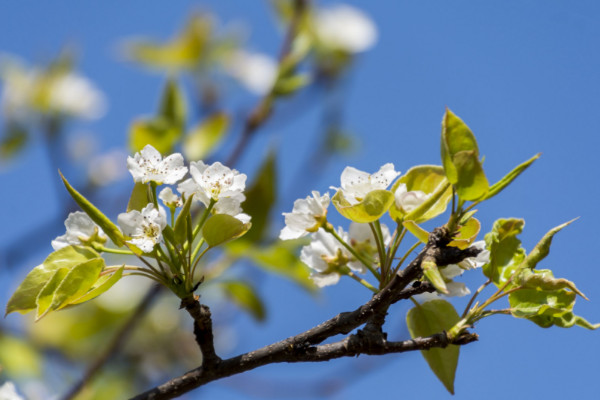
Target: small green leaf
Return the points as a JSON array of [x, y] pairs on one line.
[[202, 139], [172, 104], [431, 180], [460, 157], [221, 228], [505, 249], [245, 296], [44, 298], [371, 208], [466, 235], [24, 298], [286, 86], [511, 176], [542, 248], [544, 280], [111, 230], [427, 319], [181, 222], [13, 141], [416, 230], [140, 197], [260, 197], [433, 275], [159, 132], [76, 283], [102, 285]]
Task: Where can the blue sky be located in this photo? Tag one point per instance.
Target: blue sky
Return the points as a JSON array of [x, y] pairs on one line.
[[524, 75]]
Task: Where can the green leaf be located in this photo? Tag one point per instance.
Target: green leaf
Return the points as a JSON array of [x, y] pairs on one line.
[[429, 179], [221, 228], [433, 275], [172, 104], [542, 248], [14, 140], [111, 230], [428, 319], [245, 296], [44, 298], [140, 197], [544, 280], [511, 176], [506, 253], [181, 228], [202, 139], [260, 197], [18, 357], [159, 132], [416, 230], [466, 235], [460, 157], [24, 298], [102, 285], [286, 86], [370, 209]]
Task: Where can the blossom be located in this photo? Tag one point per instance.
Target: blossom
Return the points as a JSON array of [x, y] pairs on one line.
[[355, 184], [145, 227], [80, 230], [231, 206], [482, 258], [361, 238], [213, 182], [148, 165], [306, 216], [256, 71], [345, 28], [9, 392], [75, 95], [408, 201], [169, 198]]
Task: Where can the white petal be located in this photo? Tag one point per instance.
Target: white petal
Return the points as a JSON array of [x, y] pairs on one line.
[[130, 222], [347, 28], [322, 280], [174, 168]]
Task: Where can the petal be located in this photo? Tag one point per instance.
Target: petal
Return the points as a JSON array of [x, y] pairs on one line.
[[62, 241], [288, 233], [130, 222], [322, 280], [382, 178], [174, 168], [150, 154]]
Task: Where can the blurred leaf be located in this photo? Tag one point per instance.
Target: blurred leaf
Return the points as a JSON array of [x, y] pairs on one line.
[[13, 141], [286, 86], [260, 197], [466, 235], [510, 177], [159, 132], [428, 179], [173, 105], [139, 197], [221, 228], [24, 298], [18, 358], [460, 157], [111, 230], [371, 208], [245, 296], [427, 319], [505, 249], [202, 140]]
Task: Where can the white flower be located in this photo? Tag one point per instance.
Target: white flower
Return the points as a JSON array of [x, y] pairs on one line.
[[355, 184], [361, 238], [325, 255], [80, 229], [408, 201], [148, 165], [306, 216], [214, 182], [257, 72], [231, 206], [145, 228], [75, 95], [169, 198], [9, 392], [345, 28], [478, 261]]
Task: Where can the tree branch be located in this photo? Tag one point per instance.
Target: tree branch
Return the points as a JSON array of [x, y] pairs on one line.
[[305, 347], [202, 330]]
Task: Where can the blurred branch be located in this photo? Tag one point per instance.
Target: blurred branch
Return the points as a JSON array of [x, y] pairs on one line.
[[116, 343], [305, 347], [257, 117]]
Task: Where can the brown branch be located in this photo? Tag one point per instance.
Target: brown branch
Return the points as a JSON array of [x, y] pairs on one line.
[[202, 330], [116, 342], [305, 346]]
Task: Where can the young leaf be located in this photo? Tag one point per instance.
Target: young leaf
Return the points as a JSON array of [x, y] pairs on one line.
[[205, 137], [542, 249], [460, 157], [44, 298], [102, 285], [432, 205], [245, 297], [511, 176], [159, 132], [433, 275], [24, 298], [427, 319], [172, 104], [111, 230], [181, 222], [221, 228], [139, 197], [370, 209], [505, 249], [416, 230], [467, 234]]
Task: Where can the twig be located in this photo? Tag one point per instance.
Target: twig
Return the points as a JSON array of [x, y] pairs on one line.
[[115, 344], [202, 330]]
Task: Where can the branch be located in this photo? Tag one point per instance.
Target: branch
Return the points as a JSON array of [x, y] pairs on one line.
[[115, 344], [305, 346], [202, 330]]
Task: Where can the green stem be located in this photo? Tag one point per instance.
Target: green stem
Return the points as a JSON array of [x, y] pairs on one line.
[[329, 228], [98, 247], [362, 282], [196, 262], [412, 248], [394, 247], [197, 248], [153, 185], [203, 219], [479, 290], [383, 264]]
